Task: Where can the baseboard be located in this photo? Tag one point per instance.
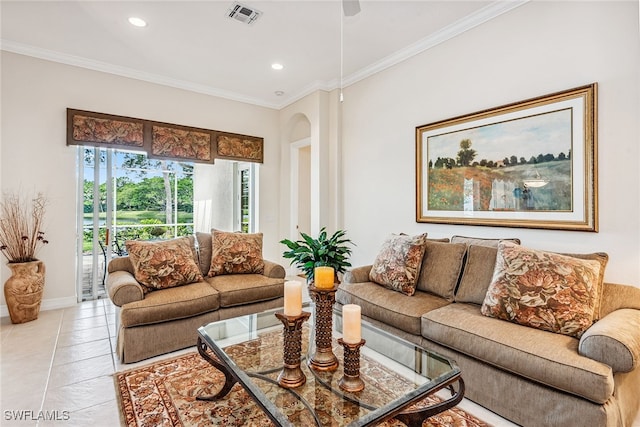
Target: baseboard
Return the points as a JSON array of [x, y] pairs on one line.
[[47, 304]]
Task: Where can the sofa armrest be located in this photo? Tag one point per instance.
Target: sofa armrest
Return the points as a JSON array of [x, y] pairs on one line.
[[274, 270], [614, 340], [122, 263], [358, 274], [123, 288]]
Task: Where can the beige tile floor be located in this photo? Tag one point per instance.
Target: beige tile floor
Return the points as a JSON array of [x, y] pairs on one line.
[[62, 365]]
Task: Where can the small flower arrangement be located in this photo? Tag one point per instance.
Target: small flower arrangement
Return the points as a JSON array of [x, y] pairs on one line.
[[21, 235]]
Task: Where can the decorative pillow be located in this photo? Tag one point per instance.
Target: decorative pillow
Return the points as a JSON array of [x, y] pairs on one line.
[[398, 263], [543, 290], [163, 264], [236, 253], [603, 259], [441, 268]]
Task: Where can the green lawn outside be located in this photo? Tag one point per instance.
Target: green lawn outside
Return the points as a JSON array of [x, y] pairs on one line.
[[126, 219], [134, 217]]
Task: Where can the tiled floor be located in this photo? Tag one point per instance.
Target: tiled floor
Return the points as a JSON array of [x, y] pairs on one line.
[[62, 364]]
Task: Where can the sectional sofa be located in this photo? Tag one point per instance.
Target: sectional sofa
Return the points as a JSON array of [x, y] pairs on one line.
[[530, 376], [153, 322]]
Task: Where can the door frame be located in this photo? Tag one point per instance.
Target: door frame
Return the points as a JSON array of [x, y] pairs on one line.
[[294, 151]]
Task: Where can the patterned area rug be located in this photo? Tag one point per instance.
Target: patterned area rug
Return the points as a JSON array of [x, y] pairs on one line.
[[164, 394]]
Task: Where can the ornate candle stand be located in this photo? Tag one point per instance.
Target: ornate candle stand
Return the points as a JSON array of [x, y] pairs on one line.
[[323, 359], [351, 380], [291, 375]]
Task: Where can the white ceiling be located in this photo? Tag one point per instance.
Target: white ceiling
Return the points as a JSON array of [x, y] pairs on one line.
[[193, 44]]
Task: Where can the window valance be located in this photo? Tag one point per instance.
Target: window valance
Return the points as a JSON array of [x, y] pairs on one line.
[[160, 140]]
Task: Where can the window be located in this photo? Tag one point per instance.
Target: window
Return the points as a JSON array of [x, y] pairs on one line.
[[244, 209], [124, 196]]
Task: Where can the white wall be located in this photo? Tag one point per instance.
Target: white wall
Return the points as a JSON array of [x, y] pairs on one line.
[[35, 95], [318, 109], [536, 49], [365, 166]]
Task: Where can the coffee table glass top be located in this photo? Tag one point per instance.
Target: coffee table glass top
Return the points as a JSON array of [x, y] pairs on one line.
[[396, 373]]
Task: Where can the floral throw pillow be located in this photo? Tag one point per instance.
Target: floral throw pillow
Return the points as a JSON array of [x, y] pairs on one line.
[[164, 264], [543, 290], [236, 253], [398, 263]]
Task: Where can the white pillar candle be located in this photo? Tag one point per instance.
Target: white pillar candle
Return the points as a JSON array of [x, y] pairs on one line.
[[323, 277], [352, 328], [292, 298]]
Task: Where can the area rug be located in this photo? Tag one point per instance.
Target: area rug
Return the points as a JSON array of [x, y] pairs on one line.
[[164, 394]]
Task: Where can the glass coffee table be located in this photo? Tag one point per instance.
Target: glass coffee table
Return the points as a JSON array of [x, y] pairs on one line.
[[400, 377]]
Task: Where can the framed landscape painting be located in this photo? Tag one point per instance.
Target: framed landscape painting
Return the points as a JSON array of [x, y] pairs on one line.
[[529, 164]]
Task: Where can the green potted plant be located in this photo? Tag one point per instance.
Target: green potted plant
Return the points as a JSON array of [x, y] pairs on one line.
[[309, 253]]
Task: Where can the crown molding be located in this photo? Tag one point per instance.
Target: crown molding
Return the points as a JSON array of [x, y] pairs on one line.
[[479, 17], [469, 22], [77, 61], [308, 90]]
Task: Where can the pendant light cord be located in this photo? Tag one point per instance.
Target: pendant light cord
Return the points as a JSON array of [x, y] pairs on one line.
[[341, 52]]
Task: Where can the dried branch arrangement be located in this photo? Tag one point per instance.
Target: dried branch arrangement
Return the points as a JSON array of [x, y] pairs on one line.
[[21, 235]]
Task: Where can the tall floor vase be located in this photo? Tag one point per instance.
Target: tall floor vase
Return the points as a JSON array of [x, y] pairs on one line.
[[23, 290]]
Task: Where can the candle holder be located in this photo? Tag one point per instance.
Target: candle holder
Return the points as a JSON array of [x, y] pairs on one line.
[[351, 380], [291, 375], [323, 358]]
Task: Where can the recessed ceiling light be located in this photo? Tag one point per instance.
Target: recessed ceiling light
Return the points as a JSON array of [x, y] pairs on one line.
[[277, 66], [138, 22]]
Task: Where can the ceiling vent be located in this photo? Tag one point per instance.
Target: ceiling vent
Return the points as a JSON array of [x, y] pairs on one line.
[[243, 13]]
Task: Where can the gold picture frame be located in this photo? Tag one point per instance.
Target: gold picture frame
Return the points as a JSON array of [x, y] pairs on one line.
[[530, 164]]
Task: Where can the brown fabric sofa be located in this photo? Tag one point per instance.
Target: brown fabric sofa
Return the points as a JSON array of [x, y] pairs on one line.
[[166, 320], [529, 376]]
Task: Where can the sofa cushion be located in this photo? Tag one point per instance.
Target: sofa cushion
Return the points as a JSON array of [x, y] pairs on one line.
[[236, 253], [479, 264], [204, 251], [393, 308], [615, 297], [543, 290], [441, 268], [481, 241], [397, 265], [544, 357], [170, 304], [163, 264], [238, 289], [478, 269], [480, 261]]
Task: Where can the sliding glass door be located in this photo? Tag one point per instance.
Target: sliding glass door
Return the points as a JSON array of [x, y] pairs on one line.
[[122, 196]]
